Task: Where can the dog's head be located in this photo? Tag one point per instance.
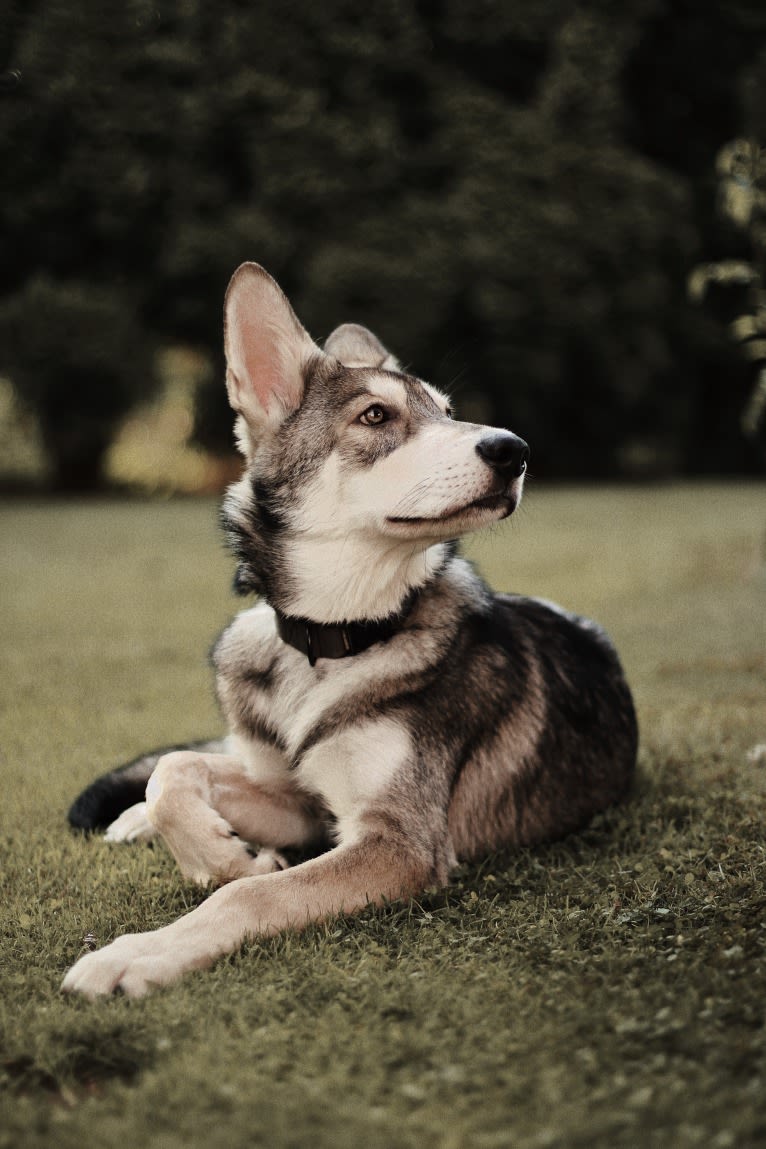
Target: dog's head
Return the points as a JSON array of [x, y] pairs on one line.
[[349, 460]]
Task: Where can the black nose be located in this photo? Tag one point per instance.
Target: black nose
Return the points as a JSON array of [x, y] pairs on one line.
[[504, 452]]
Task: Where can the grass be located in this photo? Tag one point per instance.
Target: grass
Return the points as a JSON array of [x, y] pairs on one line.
[[607, 990]]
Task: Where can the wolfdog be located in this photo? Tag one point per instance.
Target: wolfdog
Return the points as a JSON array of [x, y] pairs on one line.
[[388, 714]]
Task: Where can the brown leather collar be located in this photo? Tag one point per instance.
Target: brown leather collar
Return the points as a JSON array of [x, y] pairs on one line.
[[342, 639]]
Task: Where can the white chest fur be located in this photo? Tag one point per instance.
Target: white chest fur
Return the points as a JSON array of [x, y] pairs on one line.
[[353, 770], [349, 769]]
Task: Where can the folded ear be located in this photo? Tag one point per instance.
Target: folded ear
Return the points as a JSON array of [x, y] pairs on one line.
[[355, 346], [266, 348]]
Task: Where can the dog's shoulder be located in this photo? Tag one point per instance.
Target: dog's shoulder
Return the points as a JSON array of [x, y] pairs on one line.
[[511, 645], [511, 622], [542, 618]]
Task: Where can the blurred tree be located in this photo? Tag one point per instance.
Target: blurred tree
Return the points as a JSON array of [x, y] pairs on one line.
[[685, 97], [545, 259], [79, 227], [75, 355], [506, 193]]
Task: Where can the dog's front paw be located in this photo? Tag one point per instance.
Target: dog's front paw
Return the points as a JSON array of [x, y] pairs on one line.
[[268, 861], [133, 825], [133, 964]]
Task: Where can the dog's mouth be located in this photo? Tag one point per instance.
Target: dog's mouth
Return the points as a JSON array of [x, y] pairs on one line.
[[502, 501]]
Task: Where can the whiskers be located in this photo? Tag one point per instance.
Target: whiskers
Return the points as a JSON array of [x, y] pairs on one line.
[[411, 500]]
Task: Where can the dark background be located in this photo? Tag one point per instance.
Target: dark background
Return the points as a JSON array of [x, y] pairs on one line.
[[512, 195]]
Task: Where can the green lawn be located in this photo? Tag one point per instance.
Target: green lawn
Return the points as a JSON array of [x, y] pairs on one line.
[[609, 990]]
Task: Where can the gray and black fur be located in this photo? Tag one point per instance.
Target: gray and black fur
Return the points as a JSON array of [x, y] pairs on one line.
[[388, 714], [519, 711], [105, 799]]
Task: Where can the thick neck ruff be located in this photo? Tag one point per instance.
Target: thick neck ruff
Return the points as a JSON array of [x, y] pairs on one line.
[[342, 639]]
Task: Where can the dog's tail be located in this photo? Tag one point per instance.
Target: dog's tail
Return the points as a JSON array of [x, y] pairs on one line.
[[107, 797]]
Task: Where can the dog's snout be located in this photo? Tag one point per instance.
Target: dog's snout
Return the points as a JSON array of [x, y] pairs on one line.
[[504, 451]]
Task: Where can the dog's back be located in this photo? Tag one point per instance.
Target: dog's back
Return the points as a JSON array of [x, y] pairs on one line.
[[553, 733]]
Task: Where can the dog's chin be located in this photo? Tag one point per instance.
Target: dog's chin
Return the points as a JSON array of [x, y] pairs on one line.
[[456, 520]]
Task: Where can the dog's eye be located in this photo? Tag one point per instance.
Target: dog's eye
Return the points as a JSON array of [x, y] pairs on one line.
[[373, 416], [449, 413]]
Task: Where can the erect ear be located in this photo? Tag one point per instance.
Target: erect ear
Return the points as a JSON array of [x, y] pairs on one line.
[[355, 346], [266, 349]]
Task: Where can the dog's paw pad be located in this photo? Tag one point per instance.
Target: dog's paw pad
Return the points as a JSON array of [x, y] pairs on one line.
[[133, 825]]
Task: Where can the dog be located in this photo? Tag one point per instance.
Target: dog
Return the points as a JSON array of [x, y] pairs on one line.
[[388, 714]]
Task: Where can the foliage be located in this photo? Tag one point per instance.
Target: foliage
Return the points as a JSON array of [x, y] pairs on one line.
[[510, 195], [741, 168], [75, 354]]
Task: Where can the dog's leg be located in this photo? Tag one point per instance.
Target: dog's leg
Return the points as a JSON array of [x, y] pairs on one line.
[[132, 825], [377, 864], [207, 808]]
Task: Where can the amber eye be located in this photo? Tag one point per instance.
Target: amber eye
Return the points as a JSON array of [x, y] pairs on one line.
[[373, 416]]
